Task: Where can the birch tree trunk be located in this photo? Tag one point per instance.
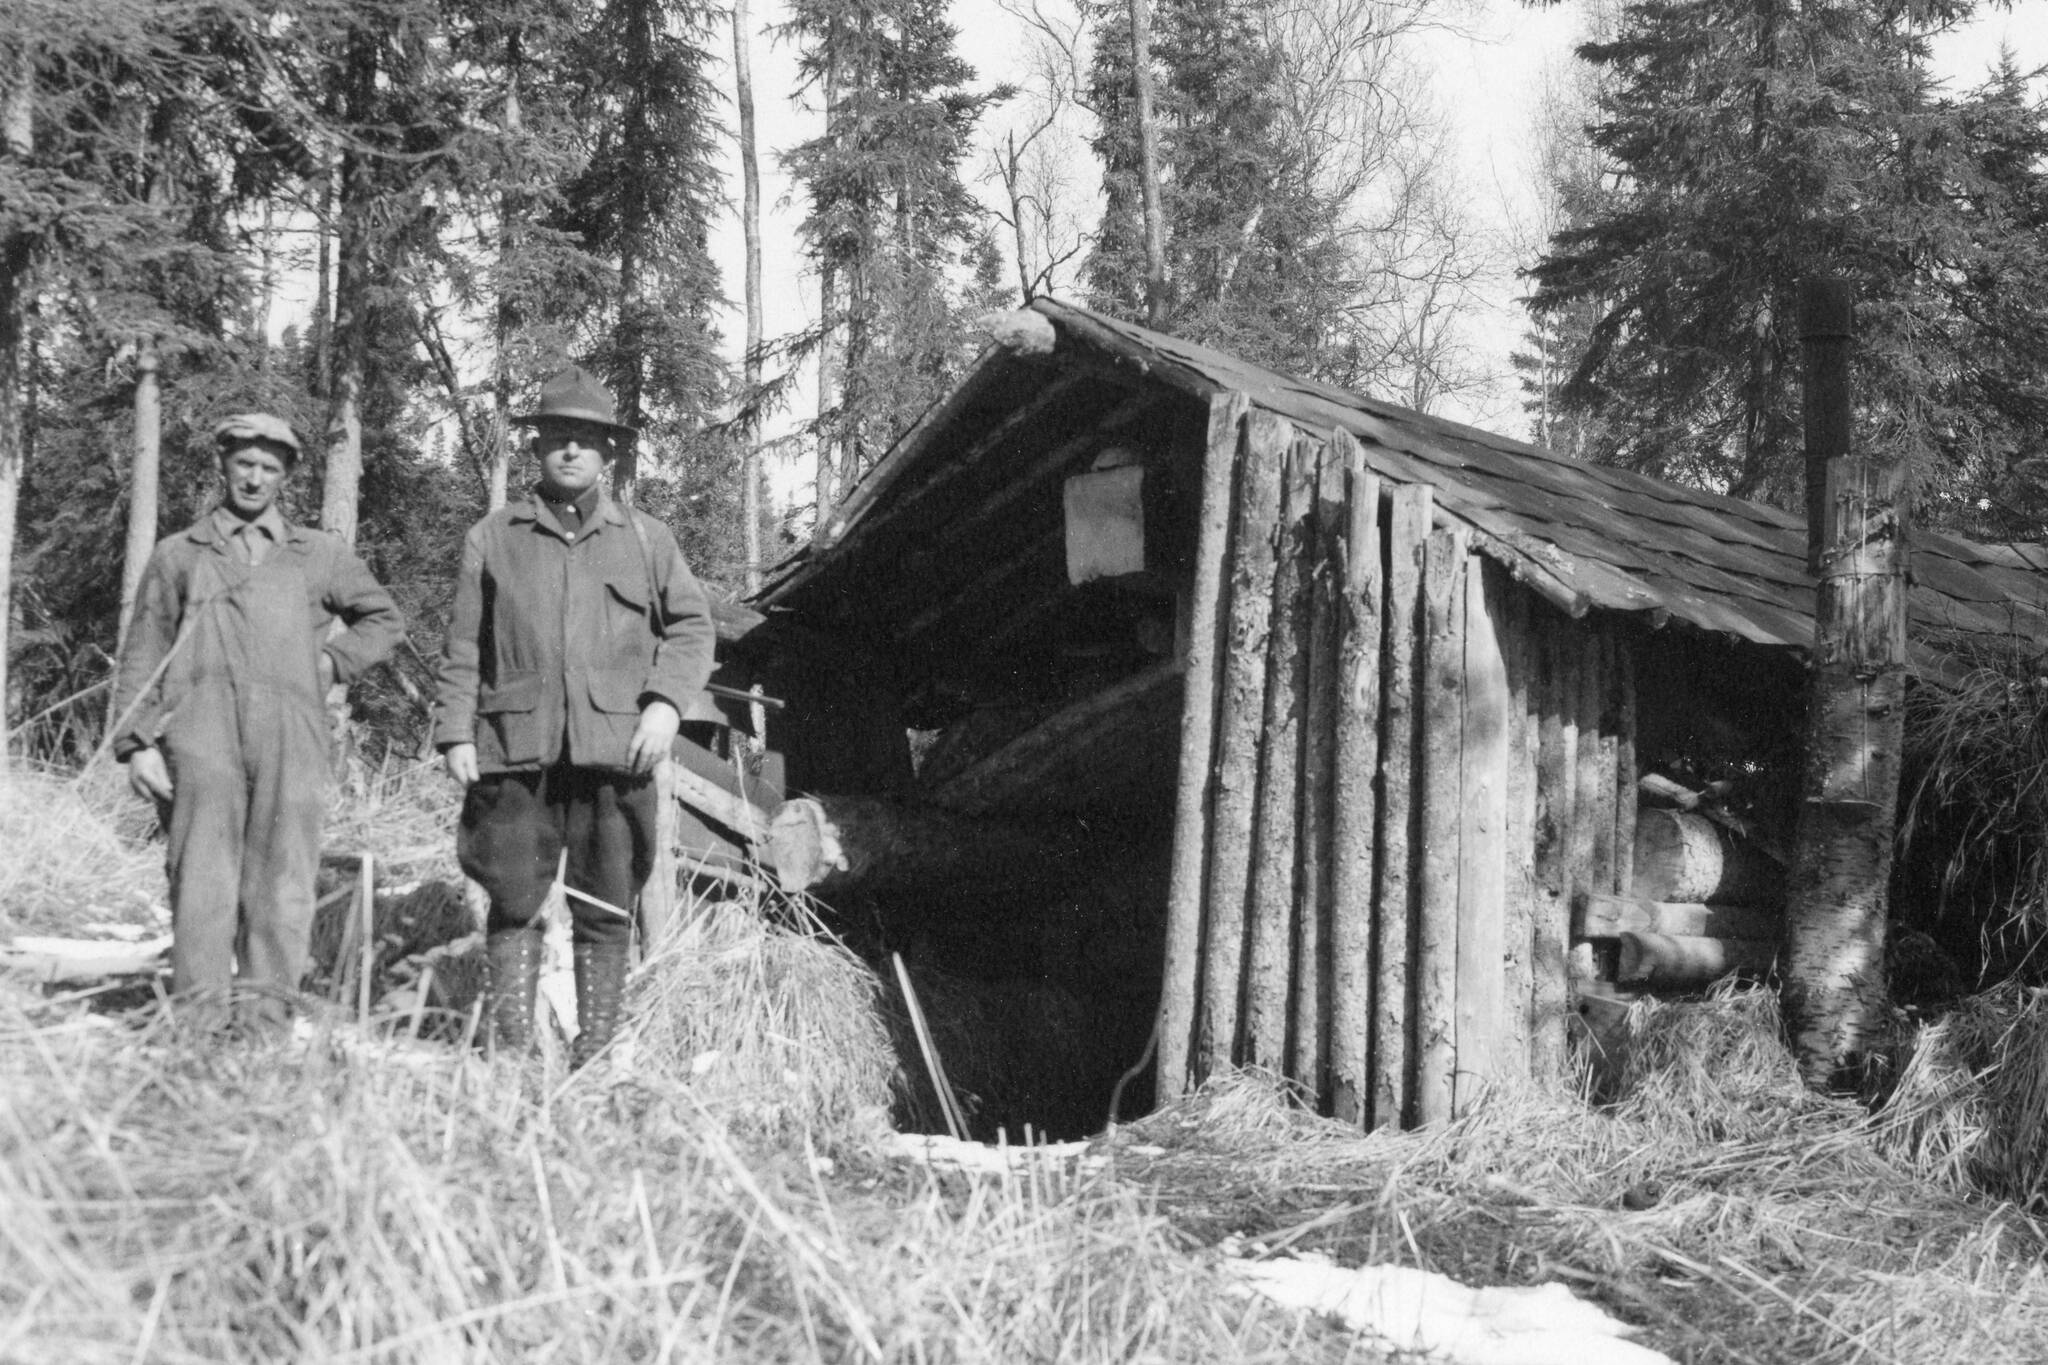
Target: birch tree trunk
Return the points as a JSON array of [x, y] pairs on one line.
[[750, 229], [142, 478], [1148, 166], [17, 131], [1834, 989]]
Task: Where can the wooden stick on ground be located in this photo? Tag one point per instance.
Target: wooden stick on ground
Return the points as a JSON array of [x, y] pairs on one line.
[[367, 908]]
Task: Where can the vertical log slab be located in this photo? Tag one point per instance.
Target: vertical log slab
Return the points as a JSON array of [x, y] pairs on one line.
[[1309, 1042], [1393, 1008], [1557, 742], [1240, 714], [1191, 828], [1600, 672], [1443, 722], [1481, 910], [1580, 839], [1276, 842], [1352, 853], [1509, 606], [1625, 774]]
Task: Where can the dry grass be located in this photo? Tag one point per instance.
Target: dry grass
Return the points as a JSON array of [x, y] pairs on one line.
[[720, 1197], [68, 859]]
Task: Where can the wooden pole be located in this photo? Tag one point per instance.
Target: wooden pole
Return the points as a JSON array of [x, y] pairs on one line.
[[1193, 792], [1309, 1050], [1481, 912], [1353, 856], [1580, 850], [1510, 606], [1556, 793], [1443, 718], [1625, 775], [1837, 894], [1240, 715], [1393, 1009], [366, 907], [1276, 842], [1600, 669]]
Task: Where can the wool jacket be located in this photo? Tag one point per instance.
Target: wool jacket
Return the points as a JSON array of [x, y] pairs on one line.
[[557, 641], [209, 630]]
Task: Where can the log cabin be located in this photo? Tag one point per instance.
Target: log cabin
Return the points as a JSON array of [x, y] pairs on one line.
[[1319, 734]]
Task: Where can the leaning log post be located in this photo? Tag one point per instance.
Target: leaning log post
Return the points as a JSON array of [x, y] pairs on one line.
[[1240, 714], [1309, 1048], [1510, 608], [1352, 855], [1277, 823], [1191, 828], [1393, 1015], [1556, 793], [1442, 708], [1600, 657], [1836, 897], [1584, 648], [1625, 776], [1481, 905]]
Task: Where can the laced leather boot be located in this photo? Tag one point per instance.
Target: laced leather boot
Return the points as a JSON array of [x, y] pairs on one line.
[[512, 962], [600, 990]]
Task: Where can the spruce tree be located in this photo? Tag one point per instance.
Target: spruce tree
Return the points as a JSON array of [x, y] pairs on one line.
[[1762, 143], [889, 220]]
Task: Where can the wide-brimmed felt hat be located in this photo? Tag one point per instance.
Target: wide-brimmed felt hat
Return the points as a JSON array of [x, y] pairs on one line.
[[575, 395], [256, 426]]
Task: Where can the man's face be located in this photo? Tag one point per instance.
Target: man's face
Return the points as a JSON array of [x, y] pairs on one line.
[[254, 472], [573, 455]]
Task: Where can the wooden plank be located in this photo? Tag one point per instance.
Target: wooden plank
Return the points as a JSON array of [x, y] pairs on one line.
[[1556, 794], [1240, 715], [1481, 910], [1309, 1043], [1277, 823], [1601, 916], [1584, 647], [1670, 962], [1442, 747], [1353, 859], [1393, 1012], [1509, 606], [1193, 791]]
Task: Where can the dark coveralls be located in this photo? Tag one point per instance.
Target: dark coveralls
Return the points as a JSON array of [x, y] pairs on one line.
[[556, 643], [238, 713]]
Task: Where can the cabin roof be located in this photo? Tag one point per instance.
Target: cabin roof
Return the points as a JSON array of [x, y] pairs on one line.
[[1589, 538]]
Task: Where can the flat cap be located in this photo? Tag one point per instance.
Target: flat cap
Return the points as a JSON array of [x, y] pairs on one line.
[[259, 426]]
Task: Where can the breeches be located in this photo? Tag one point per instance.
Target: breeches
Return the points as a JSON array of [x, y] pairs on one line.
[[249, 790], [515, 827]]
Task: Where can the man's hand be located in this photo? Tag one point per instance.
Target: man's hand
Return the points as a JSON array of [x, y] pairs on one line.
[[148, 775], [651, 740], [326, 672], [461, 761]]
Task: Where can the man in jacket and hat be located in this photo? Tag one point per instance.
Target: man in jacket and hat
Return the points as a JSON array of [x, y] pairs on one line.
[[578, 640], [220, 715]]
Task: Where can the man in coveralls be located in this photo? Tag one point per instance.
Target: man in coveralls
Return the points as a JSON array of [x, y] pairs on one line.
[[579, 637], [221, 717]]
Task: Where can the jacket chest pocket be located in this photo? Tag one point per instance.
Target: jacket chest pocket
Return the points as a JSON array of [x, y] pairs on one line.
[[626, 620]]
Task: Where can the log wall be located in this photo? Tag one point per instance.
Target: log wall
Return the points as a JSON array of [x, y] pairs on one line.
[[1401, 768]]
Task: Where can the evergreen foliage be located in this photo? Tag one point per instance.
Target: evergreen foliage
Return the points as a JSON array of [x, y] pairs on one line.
[[1756, 145], [890, 225]]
